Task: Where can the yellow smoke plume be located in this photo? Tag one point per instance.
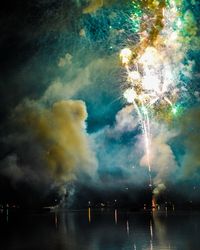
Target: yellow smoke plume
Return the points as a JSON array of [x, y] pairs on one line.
[[60, 133], [94, 5]]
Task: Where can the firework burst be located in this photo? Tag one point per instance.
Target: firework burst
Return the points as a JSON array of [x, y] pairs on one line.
[[153, 64]]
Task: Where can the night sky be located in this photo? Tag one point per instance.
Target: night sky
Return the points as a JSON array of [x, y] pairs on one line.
[[66, 128]]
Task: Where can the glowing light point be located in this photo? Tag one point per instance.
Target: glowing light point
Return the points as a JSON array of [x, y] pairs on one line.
[[129, 94], [144, 110], [174, 110], [150, 56], [134, 75], [174, 36], [125, 55], [179, 23], [151, 82]]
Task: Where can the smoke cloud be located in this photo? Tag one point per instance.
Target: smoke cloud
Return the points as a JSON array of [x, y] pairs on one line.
[[162, 159], [56, 138], [190, 127], [85, 77], [63, 61], [127, 161], [93, 6]]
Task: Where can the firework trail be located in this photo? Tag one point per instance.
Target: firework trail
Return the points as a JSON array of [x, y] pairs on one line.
[[153, 64]]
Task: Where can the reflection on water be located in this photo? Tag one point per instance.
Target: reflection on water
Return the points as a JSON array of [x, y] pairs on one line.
[[100, 230], [127, 227], [115, 216], [89, 214]]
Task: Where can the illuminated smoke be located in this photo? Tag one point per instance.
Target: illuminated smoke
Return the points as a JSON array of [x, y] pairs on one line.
[[93, 6], [57, 147], [189, 131]]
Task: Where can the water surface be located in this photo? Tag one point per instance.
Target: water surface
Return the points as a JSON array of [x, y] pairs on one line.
[[100, 230]]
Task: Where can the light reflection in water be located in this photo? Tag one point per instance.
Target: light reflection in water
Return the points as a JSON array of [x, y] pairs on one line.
[[74, 231], [127, 227], [56, 219], [151, 235], [89, 214], [151, 229], [160, 229], [116, 216], [7, 214]]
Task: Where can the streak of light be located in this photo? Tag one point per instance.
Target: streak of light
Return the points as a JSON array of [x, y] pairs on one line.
[[116, 216], [7, 215], [89, 215], [151, 235], [127, 228], [151, 230], [56, 219]]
